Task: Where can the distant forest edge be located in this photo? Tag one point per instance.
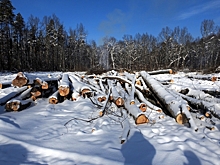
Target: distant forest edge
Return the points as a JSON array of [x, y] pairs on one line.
[[45, 45]]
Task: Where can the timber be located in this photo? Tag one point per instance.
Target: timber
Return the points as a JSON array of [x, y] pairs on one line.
[[165, 71], [64, 87], [138, 115], [13, 94], [169, 101], [20, 80], [36, 92], [53, 99], [143, 107], [17, 105], [204, 77], [5, 84], [181, 118]]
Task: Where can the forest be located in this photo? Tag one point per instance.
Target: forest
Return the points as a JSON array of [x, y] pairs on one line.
[[45, 45]]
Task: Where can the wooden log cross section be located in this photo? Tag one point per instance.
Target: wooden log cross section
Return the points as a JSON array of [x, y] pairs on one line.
[[64, 86], [20, 80], [80, 88], [17, 105]]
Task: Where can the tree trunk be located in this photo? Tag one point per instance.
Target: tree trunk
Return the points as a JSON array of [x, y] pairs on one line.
[[64, 86], [17, 105], [11, 95], [172, 104]]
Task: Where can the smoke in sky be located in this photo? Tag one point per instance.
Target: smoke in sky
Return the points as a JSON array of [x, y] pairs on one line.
[[114, 24]]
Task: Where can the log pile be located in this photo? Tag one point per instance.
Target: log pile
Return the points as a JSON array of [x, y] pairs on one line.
[[129, 94]]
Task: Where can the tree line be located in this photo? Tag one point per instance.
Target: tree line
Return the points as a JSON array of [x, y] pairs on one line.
[[45, 45]]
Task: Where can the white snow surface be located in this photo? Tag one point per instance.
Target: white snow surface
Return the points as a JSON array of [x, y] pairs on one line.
[[38, 135]]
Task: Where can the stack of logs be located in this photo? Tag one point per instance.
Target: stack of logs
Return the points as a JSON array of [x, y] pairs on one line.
[[135, 92]]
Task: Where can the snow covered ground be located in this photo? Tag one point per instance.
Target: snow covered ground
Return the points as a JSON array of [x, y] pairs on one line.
[[65, 134]]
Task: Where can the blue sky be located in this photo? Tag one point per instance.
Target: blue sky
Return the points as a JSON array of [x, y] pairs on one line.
[[119, 17]]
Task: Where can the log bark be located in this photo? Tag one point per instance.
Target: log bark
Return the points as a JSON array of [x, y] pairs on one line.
[[148, 103], [5, 84], [25, 94], [101, 98], [17, 105], [80, 87], [54, 98], [75, 96], [20, 80], [142, 107], [165, 71], [64, 86], [118, 100], [137, 114], [204, 106], [36, 92], [121, 80], [204, 77], [171, 103], [102, 111], [16, 92]]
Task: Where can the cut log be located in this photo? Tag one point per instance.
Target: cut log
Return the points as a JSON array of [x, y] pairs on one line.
[[119, 101], [25, 94], [137, 114], [213, 108], [20, 80], [16, 92], [122, 80], [197, 94], [204, 77], [43, 84], [102, 86], [75, 96], [54, 98], [80, 87], [86, 92], [17, 105], [102, 111], [142, 107], [5, 84], [36, 92], [165, 71], [148, 103], [64, 86], [172, 104], [101, 98], [138, 82]]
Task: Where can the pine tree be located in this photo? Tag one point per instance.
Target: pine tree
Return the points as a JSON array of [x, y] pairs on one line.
[[6, 23]]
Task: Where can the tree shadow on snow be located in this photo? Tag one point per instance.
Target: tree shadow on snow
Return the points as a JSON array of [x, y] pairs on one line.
[[15, 154], [137, 150], [10, 121], [2, 109], [192, 158]]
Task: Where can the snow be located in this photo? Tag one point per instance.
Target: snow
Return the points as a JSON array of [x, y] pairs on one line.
[[72, 132]]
